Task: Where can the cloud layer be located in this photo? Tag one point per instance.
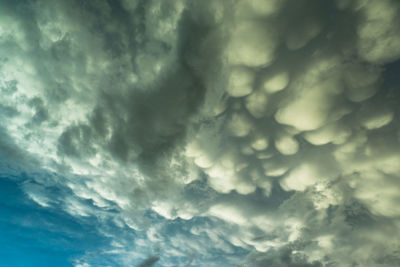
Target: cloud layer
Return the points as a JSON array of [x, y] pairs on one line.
[[275, 122]]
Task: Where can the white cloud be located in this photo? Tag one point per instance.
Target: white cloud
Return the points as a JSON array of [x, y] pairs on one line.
[[256, 104], [240, 82], [301, 177], [379, 32], [276, 82], [286, 145], [251, 44]]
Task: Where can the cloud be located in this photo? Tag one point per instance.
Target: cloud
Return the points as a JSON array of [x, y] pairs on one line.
[[272, 119], [378, 32], [149, 261], [286, 257]]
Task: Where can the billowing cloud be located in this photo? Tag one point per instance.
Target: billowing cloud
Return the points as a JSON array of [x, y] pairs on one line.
[[271, 124]]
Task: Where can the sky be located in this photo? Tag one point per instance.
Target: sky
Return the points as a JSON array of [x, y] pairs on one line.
[[247, 133]]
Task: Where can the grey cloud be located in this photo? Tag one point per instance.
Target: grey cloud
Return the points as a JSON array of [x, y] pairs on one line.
[[41, 113], [286, 257], [149, 261], [274, 117]]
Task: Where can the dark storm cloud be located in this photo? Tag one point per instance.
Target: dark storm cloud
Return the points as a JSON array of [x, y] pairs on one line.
[[12, 157], [277, 118], [149, 262], [285, 257]]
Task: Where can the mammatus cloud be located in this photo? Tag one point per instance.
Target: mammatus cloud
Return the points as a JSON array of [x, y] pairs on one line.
[[273, 121]]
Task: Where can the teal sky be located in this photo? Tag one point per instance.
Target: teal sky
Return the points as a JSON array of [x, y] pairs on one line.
[[249, 133]]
